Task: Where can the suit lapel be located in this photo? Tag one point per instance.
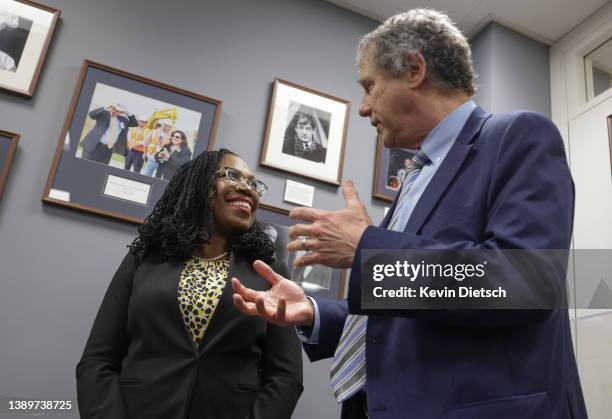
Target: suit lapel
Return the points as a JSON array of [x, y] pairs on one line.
[[447, 171], [173, 275]]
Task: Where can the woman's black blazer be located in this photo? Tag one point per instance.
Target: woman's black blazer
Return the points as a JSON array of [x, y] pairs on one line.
[[168, 168], [140, 361]]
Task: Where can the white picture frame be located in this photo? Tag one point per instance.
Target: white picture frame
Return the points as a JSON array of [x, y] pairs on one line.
[[306, 132], [26, 29]]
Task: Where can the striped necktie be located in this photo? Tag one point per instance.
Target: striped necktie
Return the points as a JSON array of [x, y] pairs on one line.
[[399, 217], [348, 372]]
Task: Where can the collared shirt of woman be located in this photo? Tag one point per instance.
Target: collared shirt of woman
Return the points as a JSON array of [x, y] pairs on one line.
[[172, 155], [167, 341]]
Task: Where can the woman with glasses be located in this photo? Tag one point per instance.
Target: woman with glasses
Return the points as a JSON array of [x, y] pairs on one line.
[[168, 341], [173, 155]]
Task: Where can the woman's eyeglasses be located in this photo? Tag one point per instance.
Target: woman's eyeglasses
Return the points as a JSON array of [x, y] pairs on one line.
[[236, 178]]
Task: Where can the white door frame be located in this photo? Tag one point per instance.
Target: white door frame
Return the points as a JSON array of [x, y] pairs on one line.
[[568, 83], [567, 74]]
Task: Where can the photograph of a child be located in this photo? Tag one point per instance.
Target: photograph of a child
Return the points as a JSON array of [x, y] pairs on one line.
[[137, 133]]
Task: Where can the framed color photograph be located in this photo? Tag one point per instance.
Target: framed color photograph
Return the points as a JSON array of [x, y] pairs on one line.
[[8, 146], [316, 279], [124, 138], [26, 29], [390, 171], [306, 132]]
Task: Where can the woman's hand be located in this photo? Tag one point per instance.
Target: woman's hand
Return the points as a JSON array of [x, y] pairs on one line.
[[285, 304]]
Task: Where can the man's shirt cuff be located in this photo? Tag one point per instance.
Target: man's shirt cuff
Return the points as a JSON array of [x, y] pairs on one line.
[[310, 335]]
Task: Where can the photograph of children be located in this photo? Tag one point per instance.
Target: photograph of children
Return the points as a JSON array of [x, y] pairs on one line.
[[137, 133], [306, 132], [399, 167], [14, 31]]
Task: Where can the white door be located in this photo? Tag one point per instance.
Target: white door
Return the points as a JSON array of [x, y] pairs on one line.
[[589, 156]]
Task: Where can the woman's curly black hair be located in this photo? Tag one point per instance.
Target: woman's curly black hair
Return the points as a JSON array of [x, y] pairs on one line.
[[182, 219]]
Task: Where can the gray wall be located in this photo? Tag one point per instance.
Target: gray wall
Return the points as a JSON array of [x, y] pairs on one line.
[[513, 71], [56, 263]]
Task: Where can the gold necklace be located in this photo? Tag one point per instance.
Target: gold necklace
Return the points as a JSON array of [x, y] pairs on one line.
[[214, 258]]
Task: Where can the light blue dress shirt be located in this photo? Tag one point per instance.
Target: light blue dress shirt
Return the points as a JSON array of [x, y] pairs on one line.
[[436, 146]]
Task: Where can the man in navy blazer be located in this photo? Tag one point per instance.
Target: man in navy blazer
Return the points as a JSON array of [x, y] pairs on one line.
[[489, 182], [97, 144]]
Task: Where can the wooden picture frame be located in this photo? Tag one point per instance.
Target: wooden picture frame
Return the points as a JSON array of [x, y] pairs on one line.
[[388, 171], [115, 115], [28, 30], [8, 147], [279, 219], [306, 132]]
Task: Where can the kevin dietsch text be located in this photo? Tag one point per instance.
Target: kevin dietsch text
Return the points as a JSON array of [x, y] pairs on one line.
[[433, 272], [428, 292]]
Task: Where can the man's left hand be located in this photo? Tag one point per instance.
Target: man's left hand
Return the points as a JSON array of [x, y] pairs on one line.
[[333, 236]]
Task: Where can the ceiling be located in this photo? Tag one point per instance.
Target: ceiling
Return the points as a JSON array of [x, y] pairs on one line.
[[544, 20]]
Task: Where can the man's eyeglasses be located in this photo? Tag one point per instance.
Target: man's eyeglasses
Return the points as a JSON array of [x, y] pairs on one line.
[[236, 178]]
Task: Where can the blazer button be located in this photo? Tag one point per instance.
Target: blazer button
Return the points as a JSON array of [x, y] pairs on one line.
[[376, 341], [380, 408]]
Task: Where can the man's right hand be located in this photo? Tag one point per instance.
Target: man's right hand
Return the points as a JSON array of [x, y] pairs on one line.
[[284, 304]]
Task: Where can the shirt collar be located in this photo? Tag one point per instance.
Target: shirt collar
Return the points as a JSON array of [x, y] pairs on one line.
[[311, 144], [439, 141]]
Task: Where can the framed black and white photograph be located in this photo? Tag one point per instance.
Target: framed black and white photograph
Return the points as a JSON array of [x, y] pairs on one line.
[[8, 146], [306, 132], [26, 29], [391, 168], [124, 138], [315, 280]]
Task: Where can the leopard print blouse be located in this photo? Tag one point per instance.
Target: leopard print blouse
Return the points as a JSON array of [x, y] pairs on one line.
[[199, 292]]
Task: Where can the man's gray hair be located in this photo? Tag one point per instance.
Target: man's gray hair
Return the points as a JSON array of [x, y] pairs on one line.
[[393, 45]]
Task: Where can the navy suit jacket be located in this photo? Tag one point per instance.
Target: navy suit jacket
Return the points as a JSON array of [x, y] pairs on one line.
[[504, 184]]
